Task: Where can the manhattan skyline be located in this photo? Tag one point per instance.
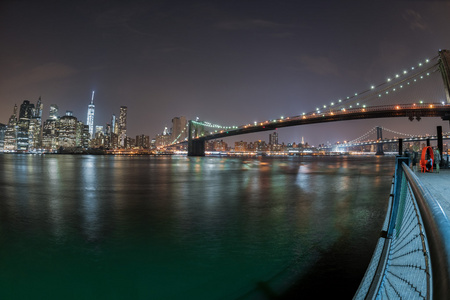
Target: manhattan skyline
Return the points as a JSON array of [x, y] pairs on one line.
[[229, 63]]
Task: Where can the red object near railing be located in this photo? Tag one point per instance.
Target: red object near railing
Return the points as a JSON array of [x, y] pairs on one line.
[[423, 160]]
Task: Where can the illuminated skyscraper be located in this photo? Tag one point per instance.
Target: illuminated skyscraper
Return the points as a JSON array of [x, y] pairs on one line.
[[2, 136], [51, 129], [50, 134], [26, 113], [35, 128], [90, 116], [38, 109], [114, 127], [11, 132], [108, 135], [67, 137], [53, 112], [122, 126]]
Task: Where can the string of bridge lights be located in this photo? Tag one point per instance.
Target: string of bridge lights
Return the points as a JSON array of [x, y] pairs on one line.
[[398, 133], [401, 86], [374, 87], [398, 76], [208, 124]]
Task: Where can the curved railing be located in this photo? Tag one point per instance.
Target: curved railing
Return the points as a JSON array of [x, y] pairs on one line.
[[412, 256]]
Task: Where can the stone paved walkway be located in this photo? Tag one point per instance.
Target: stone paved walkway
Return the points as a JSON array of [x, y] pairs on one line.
[[439, 186]]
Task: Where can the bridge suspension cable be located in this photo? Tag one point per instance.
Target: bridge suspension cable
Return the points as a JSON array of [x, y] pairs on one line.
[[365, 135], [177, 139], [374, 129], [398, 133], [400, 81]]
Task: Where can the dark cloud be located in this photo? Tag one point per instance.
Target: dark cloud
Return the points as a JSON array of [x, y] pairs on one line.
[[415, 20]]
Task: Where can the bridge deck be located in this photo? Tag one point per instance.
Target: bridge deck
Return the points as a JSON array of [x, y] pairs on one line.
[[438, 185]]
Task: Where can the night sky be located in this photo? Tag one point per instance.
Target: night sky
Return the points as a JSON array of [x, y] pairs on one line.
[[227, 62]]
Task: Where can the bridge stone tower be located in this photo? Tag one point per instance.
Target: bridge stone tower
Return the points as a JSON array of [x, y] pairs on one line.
[[444, 66], [379, 138], [195, 147]]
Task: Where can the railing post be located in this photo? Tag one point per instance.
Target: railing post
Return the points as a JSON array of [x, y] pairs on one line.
[[400, 146]]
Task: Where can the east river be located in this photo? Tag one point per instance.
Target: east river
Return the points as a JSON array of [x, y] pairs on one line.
[[118, 227]]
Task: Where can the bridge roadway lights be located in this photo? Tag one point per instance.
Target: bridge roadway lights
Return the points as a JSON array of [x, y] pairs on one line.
[[196, 147]]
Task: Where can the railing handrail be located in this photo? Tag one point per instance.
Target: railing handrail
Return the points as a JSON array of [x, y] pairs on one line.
[[437, 228]]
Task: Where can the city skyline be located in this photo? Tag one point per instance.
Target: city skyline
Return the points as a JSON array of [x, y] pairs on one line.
[[227, 63]]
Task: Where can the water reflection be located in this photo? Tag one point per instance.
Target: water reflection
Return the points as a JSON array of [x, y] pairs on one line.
[[54, 197], [90, 197], [182, 221]]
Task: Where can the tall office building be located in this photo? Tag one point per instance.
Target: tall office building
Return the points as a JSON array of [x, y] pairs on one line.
[[25, 114], [179, 129], [143, 141], [26, 110], [99, 133], [53, 112], [38, 109], [35, 128], [163, 139], [273, 142], [108, 135], [273, 138], [67, 137], [84, 132], [122, 126], [90, 116], [11, 132], [50, 134], [51, 129], [114, 125], [35, 133], [2, 136]]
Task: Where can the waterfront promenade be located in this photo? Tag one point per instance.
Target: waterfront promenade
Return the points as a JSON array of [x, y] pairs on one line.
[[412, 257], [438, 184]]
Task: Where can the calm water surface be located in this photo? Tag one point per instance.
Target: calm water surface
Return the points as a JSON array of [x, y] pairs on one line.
[[104, 227]]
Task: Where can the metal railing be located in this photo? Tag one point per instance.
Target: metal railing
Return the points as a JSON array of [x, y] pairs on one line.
[[411, 259]]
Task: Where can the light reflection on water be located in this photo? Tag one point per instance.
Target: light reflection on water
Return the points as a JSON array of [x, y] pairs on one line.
[[103, 227]]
